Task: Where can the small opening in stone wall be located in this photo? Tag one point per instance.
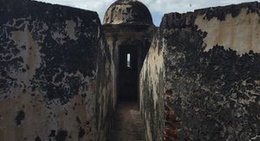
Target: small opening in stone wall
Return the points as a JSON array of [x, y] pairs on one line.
[[128, 60], [127, 83]]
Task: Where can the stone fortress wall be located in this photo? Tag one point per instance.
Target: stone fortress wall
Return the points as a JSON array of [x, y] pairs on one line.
[[58, 74], [202, 76], [55, 73]]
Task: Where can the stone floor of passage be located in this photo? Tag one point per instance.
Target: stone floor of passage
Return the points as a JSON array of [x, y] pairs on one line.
[[127, 123]]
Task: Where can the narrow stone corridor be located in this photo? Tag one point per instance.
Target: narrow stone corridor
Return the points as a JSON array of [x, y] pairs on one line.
[[127, 123]]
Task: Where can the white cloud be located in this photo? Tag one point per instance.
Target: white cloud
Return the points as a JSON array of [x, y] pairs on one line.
[[155, 6]]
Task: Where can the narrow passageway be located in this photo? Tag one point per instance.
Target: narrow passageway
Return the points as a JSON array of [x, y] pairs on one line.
[[127, 123]]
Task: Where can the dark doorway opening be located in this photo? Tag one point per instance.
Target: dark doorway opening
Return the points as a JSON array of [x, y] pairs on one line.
[[128, 73]]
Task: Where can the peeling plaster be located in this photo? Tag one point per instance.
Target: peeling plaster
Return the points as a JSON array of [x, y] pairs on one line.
[[239, 33]]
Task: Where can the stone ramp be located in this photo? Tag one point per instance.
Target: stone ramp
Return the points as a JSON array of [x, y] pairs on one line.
[[127, 123]]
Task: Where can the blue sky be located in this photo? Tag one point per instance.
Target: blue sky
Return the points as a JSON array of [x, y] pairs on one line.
[[157, 7]]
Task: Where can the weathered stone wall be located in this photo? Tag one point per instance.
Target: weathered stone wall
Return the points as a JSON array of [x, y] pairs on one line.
[[211, 74], [106, 91], [55, 73], [151, 91]]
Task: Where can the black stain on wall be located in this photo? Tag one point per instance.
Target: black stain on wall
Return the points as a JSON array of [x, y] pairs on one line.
[[61, 135], [61, 56], [10, 64], [20, 117], [53, 133], [78, 120], [37, 138], [70, 57], [211, 89], [74, 56], [81, 132], [66, 65]]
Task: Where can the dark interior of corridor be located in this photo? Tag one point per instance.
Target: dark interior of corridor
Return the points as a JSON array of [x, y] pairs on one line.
[[128, 73], [127, 123]]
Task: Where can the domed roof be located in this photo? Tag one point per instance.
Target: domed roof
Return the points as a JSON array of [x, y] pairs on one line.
[[128, 12]]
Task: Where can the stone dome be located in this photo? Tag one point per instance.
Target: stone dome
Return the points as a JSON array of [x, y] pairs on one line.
[[128, 12]]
